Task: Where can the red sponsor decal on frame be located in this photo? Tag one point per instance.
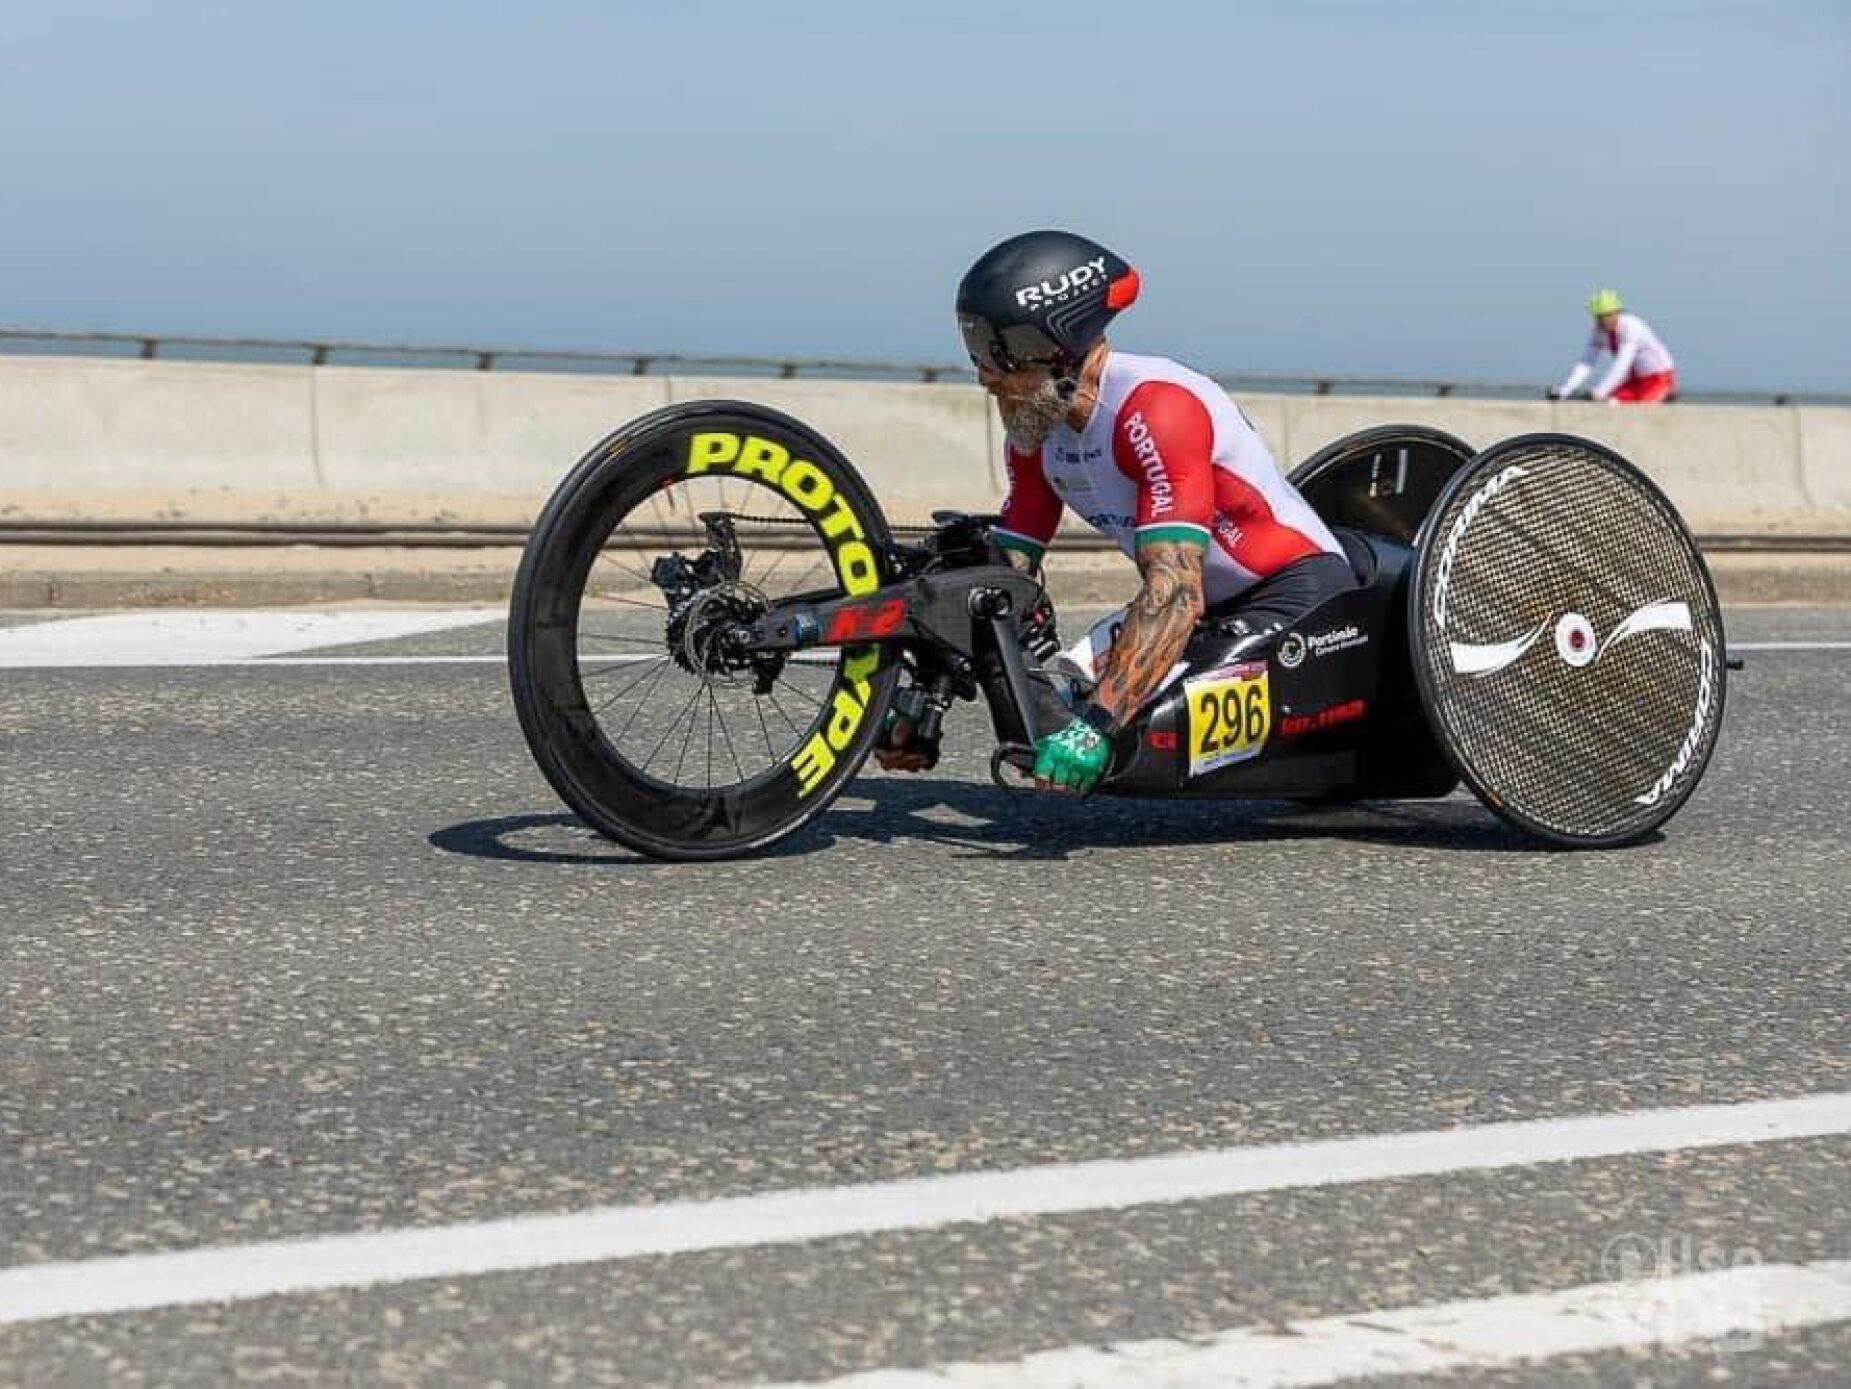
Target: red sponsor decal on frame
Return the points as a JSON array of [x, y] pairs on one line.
[[1295, 725], [865, 620]]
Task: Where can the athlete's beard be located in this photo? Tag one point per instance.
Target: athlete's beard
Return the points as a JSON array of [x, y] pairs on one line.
[[1029, 419]]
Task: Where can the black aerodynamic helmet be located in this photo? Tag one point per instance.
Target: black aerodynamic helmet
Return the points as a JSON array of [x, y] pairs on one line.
[[1041, 299]]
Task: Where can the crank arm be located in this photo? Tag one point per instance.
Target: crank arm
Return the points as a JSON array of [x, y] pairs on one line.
[[1021, 757], [1018, 755]]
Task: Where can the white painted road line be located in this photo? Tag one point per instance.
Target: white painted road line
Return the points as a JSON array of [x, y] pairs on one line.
[[806, 658], [1732, 1307], [209, 635], [173, 661], [273, 662], [40, 1292], [1735, 646], [594, 662], [245, 637]]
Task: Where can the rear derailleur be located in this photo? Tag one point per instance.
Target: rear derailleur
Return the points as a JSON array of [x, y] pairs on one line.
[[711, 609]]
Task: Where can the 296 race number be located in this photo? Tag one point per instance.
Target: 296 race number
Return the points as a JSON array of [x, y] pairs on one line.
[[1230, 716]]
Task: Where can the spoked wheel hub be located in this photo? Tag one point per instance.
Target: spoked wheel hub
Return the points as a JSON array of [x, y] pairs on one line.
[[711, 609], [631, 632], [710, 635]]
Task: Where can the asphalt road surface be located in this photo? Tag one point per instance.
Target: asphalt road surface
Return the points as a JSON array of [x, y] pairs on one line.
[[293, 951]]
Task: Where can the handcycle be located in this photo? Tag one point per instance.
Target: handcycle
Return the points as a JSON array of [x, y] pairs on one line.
[[713, 617]]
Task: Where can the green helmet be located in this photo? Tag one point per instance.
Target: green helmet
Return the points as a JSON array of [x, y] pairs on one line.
[[1604, 301]]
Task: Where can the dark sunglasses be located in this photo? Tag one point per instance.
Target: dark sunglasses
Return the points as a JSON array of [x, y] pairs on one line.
[[1007, 349]]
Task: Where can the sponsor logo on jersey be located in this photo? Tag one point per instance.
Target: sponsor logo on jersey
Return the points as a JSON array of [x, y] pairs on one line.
[[1150, 463], [1229, 534], [1078, 280], [1105, 521], [1292, 651]]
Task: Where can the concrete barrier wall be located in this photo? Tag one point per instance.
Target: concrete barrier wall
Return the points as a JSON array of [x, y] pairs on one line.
[[85, 439]]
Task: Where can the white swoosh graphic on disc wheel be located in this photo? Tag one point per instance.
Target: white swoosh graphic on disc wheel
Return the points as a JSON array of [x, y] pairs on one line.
[[1653, 617], [1472, 658]]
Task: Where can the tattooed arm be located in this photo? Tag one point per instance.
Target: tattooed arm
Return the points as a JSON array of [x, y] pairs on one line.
[[1157, 627]]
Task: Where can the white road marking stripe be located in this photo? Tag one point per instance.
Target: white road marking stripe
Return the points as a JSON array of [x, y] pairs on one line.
[[1736, 646], [592, 662], [38, 1292], [806, 657], [216, 634], [261, 662], [1476, 1333], [236, 637]]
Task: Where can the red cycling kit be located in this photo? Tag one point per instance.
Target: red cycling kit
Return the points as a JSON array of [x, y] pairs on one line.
[[1642, 370], [1166, 455]]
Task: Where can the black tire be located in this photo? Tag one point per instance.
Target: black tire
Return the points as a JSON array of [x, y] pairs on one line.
[[1567, 641], [616, 792], [1383, 480]]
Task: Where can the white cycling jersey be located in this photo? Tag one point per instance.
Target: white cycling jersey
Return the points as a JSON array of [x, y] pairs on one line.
[[1636, 349], [1166, 455]]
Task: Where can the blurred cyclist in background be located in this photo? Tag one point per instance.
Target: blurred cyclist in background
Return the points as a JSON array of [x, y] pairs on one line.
[[1642, 372]]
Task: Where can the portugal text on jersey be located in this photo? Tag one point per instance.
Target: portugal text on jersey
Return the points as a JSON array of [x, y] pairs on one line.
[[1166, 455]]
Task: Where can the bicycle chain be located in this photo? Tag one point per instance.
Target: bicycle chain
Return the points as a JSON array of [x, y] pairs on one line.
[[798, 521]]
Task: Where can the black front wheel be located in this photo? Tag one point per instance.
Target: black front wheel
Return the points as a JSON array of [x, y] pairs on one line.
[[645, 715]]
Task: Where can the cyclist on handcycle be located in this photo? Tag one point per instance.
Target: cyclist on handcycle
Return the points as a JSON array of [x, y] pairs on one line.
[[1149, 453]]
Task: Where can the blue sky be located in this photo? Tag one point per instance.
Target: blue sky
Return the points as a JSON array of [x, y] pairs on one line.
[[1415, 188]]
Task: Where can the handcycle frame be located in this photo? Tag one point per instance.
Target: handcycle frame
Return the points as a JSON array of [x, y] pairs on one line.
[[1342, 720]]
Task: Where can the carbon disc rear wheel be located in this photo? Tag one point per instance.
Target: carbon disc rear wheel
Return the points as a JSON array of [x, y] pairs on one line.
[[1567, 641]]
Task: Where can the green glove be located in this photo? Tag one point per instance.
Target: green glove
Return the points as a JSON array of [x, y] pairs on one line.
[[1074, 758]]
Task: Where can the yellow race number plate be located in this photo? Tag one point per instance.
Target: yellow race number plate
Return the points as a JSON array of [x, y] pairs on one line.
[[1230, 715]]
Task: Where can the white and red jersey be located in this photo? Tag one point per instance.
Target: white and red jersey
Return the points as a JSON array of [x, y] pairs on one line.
[[1166, 455], [1637, 352]]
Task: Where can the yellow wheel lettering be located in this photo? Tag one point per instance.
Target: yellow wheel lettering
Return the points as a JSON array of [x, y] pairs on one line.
[[844, 721], [762, 458], [812, 764], [842, 521], [807, 485], [709, 448], [855, 563]]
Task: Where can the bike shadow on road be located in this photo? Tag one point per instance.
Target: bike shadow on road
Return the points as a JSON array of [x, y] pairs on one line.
[[988, 821], [973, 819]]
